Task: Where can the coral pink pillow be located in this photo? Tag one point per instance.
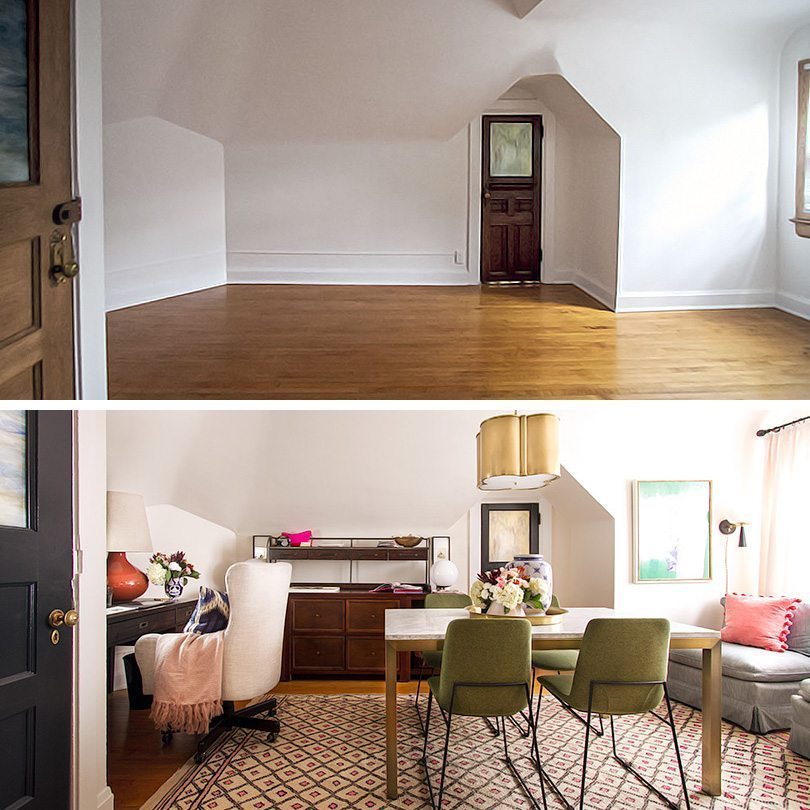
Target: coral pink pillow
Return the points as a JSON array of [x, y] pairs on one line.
[[759, 621]]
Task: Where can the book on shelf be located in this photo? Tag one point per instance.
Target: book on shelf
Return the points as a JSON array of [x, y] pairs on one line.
[[400, 587]]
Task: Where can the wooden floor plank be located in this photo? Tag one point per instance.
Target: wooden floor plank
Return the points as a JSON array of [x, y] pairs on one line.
[[547, 342]]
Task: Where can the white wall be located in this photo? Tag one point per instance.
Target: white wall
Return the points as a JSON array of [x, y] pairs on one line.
[[359, 212], [690, 87], [390, 472], [165, 211], [793, 288]]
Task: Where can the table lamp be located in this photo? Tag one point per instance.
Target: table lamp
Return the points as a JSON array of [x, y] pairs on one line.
[[127, 530], [443, 572]]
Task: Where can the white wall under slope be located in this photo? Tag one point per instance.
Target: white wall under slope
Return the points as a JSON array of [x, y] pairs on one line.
[[793, 285], [164, 190]]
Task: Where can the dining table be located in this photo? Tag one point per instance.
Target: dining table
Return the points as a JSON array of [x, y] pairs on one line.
[[423, 630]]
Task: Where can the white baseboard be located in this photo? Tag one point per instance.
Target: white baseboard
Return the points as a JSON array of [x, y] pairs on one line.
[[139, 285], [585, 283], [246, 267], [793, 304], [106, 800], [698, 299]]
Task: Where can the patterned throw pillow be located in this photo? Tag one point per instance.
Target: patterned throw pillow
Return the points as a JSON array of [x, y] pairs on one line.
[[211, 614]]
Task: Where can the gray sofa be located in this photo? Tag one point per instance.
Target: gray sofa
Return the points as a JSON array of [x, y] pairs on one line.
[[800, 729], [757, 684]]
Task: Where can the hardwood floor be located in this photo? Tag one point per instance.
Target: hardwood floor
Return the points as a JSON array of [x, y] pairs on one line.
[[548, 342], [138, 763]]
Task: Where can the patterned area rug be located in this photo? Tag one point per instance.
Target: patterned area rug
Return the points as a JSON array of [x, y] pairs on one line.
[[330, 756]]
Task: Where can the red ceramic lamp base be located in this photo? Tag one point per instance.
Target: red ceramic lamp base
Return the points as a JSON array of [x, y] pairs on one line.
[[125, 580]]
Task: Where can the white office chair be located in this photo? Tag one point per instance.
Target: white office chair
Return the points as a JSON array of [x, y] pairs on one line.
[[252, 652]]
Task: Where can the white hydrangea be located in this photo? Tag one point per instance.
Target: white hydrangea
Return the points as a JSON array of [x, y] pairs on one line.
[[475, 593], [538, 587], [156, 574], [510, 596]]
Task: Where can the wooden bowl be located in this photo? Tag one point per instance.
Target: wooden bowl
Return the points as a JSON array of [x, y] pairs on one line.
[[408, 541]]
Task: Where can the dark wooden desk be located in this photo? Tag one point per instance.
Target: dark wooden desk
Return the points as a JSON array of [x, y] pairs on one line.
[[125, 627]]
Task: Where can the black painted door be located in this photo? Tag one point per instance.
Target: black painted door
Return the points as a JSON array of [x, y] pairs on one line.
[[36, 530], [510, 198]]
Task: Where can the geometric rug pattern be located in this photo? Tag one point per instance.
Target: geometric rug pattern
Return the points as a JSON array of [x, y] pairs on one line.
[[330, 756]]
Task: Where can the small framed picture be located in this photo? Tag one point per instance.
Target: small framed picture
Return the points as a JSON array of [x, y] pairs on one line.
[[440, 549], [507, 530], [672, 531], [260, 544]]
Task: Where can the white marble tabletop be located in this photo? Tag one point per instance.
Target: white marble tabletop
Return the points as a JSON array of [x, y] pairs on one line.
[[424, 624]]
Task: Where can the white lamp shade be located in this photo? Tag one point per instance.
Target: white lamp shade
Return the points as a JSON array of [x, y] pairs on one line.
[[127, 526], [444, 573]]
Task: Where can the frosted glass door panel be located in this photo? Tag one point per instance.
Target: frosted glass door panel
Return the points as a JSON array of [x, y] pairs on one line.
[[510, 149], [13, 470], [14, 146]]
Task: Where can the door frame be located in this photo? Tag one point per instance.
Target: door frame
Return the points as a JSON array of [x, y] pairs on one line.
[[547, 181]]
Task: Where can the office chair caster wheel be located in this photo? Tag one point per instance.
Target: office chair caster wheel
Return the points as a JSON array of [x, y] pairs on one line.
[[198, 758], [272, 737], [166, 737]]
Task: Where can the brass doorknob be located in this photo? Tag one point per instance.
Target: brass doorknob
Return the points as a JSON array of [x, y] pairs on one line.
[[487, 195], [57, 618]]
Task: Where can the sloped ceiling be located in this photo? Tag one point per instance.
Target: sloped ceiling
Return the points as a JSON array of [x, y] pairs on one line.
[[268, 70]]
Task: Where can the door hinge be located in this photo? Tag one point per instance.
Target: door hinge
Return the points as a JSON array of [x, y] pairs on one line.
[[68, 213]]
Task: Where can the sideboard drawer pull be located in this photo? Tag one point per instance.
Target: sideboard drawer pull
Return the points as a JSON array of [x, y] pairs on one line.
[[143, 625]]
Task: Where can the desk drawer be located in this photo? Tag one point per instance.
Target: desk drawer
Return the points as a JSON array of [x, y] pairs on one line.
[[365, 654], [368, 615], [183, 614], [318, 614], [137, 626], [318, 653]]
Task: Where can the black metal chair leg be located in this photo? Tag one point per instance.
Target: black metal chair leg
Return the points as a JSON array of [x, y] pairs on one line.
[[495, 727], [585, 754], [444, 758], [677, 749], [416, 703]]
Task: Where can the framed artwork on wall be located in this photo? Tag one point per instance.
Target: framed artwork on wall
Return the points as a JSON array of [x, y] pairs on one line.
[[672, 536], [440, 549], [508, 529]]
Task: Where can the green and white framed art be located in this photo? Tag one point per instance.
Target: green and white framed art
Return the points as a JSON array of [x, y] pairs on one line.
[[672, 536]]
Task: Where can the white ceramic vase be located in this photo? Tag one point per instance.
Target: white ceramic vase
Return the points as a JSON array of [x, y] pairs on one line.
[[535, 565], [497, 609]]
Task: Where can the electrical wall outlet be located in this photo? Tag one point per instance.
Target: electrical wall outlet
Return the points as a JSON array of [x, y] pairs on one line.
[[458, 257]]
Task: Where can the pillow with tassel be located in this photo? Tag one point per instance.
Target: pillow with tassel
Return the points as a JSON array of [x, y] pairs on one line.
[[759, 621]]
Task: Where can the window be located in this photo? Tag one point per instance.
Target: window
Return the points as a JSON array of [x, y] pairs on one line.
[[802, 219]]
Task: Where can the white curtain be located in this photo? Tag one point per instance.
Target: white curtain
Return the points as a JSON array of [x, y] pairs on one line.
[[784, 568]]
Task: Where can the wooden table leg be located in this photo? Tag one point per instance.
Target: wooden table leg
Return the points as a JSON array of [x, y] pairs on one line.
[[391, 721], [712, 713]]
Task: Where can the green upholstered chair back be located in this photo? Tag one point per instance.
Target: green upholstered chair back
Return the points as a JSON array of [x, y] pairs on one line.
[[447, 601], [621, 650], [486, 651]]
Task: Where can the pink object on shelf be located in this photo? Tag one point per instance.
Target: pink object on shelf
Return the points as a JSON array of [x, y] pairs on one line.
[[759, 621], [297, 538]]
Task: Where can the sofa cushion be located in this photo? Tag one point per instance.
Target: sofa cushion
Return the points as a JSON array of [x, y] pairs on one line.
[[758, 621], [798, 639], [752, 663], [804, 689]]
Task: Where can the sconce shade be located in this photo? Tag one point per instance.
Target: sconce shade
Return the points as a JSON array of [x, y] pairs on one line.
[[127, 526], [518, 452]]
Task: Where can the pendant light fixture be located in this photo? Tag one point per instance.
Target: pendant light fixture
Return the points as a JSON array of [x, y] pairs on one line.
[[518, 452]]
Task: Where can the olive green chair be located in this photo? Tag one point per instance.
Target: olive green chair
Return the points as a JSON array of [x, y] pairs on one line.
[[555, 660], [621, 670], [433, 659], [486, 672]]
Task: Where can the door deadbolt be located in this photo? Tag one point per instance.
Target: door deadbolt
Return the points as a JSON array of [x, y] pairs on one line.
[[59, 618]]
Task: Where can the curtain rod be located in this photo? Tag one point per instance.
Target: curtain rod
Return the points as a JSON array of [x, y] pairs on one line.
[[776, 429]]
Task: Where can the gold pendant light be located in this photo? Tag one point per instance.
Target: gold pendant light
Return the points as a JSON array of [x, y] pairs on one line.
[[518, 452]]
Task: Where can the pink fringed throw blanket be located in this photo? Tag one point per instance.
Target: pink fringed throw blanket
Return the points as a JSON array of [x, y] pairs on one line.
[[188, 681]]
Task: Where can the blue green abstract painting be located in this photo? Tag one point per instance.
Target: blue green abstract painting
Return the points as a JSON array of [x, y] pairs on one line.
[[14, 163], [13, 469]]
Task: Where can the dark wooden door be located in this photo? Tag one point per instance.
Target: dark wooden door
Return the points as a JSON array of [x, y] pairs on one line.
[[510, 198], [36, 304], [35, 578]]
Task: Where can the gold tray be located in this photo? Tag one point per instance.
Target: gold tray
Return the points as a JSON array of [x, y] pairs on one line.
[[552, 616]]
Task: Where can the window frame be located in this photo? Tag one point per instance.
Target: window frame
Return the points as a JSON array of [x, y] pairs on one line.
[[802, 218]]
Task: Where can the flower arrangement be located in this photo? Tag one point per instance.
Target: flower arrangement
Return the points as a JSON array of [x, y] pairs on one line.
[[163, 568], [508, 590]]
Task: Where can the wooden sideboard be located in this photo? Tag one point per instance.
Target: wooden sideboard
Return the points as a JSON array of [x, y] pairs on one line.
[[341, 634], [125, 627]]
